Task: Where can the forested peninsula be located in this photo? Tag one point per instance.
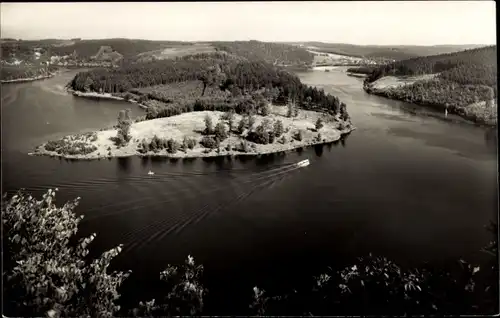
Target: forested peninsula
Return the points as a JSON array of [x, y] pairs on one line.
[[462, 83], [206, 104]]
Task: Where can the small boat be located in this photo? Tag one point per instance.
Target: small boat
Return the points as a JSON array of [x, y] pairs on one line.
[[303, 163], [151, 173]]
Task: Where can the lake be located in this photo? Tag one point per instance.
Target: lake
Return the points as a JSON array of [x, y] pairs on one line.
[[407, 184]]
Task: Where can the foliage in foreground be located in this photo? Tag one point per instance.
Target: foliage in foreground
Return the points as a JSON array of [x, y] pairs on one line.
[[47, 273]]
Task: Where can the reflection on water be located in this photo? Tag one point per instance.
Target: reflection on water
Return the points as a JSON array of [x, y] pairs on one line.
[[124, 164], [318, 149], [491, 138]]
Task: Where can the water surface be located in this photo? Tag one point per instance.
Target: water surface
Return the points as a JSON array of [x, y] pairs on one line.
[[405, 184]]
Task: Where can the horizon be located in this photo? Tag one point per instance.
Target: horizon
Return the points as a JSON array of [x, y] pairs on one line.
[[284, 42], [390, 23]]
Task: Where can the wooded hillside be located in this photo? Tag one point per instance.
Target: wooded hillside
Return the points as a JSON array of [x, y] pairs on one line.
[[476, 66], [274, 53]]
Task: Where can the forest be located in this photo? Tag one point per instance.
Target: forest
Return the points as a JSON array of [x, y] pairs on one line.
[[16, 72], [226, 83], [441, 94], [476, 66], [274, 53]]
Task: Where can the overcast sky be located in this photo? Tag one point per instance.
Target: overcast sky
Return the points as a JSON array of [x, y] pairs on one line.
[[384, 22]]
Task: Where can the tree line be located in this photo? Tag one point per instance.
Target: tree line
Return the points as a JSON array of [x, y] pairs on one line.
[[244, 80], [18, 72], [275, 53]]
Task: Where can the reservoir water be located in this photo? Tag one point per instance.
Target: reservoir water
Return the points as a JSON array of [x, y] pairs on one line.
[[409, 185]]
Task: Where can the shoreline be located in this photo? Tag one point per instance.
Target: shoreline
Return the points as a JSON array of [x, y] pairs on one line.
[[99, 144], [95, 95], [359, 75], [28, 79], [470, 117], [182, 155]]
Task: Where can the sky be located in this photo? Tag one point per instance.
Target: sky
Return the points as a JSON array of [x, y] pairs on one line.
[[363, 22]]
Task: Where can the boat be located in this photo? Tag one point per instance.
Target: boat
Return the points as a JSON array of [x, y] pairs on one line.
[[151, 173], [303, 163]]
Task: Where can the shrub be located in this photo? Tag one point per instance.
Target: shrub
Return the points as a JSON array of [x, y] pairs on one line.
[[290, 112], [208, 125], [172, 146], [298, 135], [189, 143], [185, 296], [251, 121], [227, 115], [278, 128], [43, 273], [319, 124], [124, 122], [244, 147], [54, 145], [220, 131], [128, 96], [242, 125], [155, 143], [259, 136], [208, 142], [265, 110], [143, 146], [318, 138]]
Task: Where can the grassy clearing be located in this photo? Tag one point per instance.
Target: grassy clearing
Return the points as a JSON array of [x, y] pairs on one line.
[[191, 125], [395, 81]]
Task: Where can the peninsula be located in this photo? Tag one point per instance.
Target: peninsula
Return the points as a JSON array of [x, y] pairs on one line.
[[184, 136], [206, 104]]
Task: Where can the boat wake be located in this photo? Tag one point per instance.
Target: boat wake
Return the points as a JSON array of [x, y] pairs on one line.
[[213, 200]]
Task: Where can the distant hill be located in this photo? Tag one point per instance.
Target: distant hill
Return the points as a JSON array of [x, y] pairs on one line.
[[395, 52], [126, 47], [274, 53], [145, 50], [85, 49]]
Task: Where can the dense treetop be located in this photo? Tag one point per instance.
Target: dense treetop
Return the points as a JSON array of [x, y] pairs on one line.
[[217, 72], [12, 72]]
